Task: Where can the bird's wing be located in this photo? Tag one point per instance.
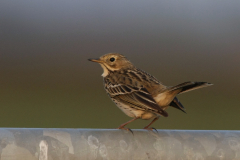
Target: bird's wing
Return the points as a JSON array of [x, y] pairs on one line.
[[138, 97], [145, 76]]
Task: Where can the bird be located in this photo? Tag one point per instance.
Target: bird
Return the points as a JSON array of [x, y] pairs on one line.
[[137, 93]]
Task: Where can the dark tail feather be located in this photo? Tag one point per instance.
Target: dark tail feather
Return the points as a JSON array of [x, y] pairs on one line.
[[177, 104], [188, 86], [182, 88]]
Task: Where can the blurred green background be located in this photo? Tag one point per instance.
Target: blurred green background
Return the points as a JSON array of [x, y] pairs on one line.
[[46, 80]]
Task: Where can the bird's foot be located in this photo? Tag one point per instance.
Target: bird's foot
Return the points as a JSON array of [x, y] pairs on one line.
[[150, 129], [127, 129]]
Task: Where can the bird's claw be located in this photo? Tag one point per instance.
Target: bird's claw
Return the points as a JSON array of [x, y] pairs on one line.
[[127, 129], [151, 129]]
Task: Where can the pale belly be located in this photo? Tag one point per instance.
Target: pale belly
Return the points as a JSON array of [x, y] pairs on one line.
[[131, 112]]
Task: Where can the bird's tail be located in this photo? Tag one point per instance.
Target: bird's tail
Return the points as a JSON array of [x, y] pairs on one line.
[[188, 86], [167, 96], [177, 104]]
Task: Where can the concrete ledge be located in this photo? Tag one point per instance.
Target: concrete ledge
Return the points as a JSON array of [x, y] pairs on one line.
[[112, 144]]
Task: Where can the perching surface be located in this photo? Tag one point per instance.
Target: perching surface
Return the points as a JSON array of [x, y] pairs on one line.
[[101, 144]]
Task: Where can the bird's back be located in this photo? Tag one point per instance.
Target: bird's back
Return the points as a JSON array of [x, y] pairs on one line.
[[136, 78]]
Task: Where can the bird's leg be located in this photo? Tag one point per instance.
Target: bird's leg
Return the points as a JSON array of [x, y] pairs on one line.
[[147, 127], [124, 124]]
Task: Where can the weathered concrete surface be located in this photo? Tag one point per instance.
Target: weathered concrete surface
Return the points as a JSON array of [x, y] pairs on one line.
[[103, 144]]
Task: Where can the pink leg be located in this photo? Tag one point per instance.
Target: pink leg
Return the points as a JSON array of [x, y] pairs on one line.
[[124, 124], [147, 127]]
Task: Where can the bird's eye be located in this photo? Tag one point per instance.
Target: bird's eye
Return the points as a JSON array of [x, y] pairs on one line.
[[112, 59]]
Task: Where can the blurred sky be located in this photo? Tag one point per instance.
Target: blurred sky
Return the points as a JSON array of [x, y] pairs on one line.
[[46, 80]]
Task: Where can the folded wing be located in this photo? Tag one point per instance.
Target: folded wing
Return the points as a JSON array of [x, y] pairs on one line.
[[136, 97]]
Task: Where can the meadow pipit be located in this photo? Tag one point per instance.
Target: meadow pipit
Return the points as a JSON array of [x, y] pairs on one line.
[[137, 93]]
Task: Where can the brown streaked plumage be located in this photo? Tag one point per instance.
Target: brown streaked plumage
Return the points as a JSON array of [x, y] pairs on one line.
[[137, 93]]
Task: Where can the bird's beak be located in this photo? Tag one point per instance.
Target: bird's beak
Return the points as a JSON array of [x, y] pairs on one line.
[[95, 60]]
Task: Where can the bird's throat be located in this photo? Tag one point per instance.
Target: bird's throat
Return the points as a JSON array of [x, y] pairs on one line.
[[105, 70]]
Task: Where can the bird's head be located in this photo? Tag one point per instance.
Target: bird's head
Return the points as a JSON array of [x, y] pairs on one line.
[[112, 62]]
